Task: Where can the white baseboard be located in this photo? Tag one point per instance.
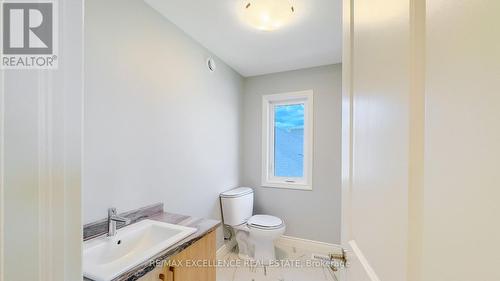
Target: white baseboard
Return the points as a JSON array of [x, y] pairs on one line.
[[311, 245]]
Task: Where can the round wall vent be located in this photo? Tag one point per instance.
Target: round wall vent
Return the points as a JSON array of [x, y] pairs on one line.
[[211, 64]]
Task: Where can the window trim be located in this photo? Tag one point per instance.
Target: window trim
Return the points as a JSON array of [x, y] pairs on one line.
[[268, 101]]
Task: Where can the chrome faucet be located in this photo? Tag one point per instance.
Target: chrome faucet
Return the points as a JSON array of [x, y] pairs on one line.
[[112, 219]]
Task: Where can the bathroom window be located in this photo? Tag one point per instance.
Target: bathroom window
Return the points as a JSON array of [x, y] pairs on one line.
[[287, 142]]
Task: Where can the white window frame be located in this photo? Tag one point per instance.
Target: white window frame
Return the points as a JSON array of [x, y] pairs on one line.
[[268, 103]]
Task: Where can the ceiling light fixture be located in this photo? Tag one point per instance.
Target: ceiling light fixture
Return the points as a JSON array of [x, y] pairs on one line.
[[268, 15]]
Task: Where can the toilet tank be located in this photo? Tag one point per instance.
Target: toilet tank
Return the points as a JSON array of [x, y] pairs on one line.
[[237, 205]]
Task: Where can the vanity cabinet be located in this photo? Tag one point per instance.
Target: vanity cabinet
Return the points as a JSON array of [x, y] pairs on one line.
[[182, 264]]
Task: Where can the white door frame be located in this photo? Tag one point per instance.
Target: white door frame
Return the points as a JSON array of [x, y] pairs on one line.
[[2, 139], [58, 127], [347, 137], [347, 116]]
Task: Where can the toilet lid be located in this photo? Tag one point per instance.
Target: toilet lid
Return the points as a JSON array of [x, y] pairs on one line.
[[236, 192], [264, 222]]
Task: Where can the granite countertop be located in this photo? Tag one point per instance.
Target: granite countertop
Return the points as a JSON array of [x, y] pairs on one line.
[[154, 212]]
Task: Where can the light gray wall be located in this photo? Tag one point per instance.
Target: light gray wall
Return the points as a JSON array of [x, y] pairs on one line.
[[308, 214], [159, 127]]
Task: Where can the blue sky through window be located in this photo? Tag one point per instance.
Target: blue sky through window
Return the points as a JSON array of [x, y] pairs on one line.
[[289, 140]]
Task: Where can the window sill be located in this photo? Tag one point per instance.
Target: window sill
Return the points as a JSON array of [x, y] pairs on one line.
[[285, 185]]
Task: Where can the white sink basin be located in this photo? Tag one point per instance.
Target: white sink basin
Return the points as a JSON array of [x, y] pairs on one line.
[[104, 258]]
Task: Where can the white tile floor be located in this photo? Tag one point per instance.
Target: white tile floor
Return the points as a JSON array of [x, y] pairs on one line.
[[234, 271]]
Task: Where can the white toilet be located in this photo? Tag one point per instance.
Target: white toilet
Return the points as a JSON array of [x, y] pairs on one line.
[[255, 234]]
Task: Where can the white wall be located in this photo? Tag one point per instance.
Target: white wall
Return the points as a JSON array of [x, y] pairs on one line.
[[308, 214], [159, 127], [462, 179]]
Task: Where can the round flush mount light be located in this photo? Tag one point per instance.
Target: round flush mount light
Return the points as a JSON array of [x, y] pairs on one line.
[[268, 15]]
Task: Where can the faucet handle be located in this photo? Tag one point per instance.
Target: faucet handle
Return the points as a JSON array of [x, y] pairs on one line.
[[111, 212]]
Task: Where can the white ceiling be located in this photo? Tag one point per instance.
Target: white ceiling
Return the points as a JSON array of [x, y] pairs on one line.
[[314, 38]]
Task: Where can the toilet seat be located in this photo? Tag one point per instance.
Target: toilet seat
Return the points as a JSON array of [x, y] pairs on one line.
[[264, 222]]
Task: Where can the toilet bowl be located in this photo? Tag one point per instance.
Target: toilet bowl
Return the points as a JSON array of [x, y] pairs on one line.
[[255, 234]]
